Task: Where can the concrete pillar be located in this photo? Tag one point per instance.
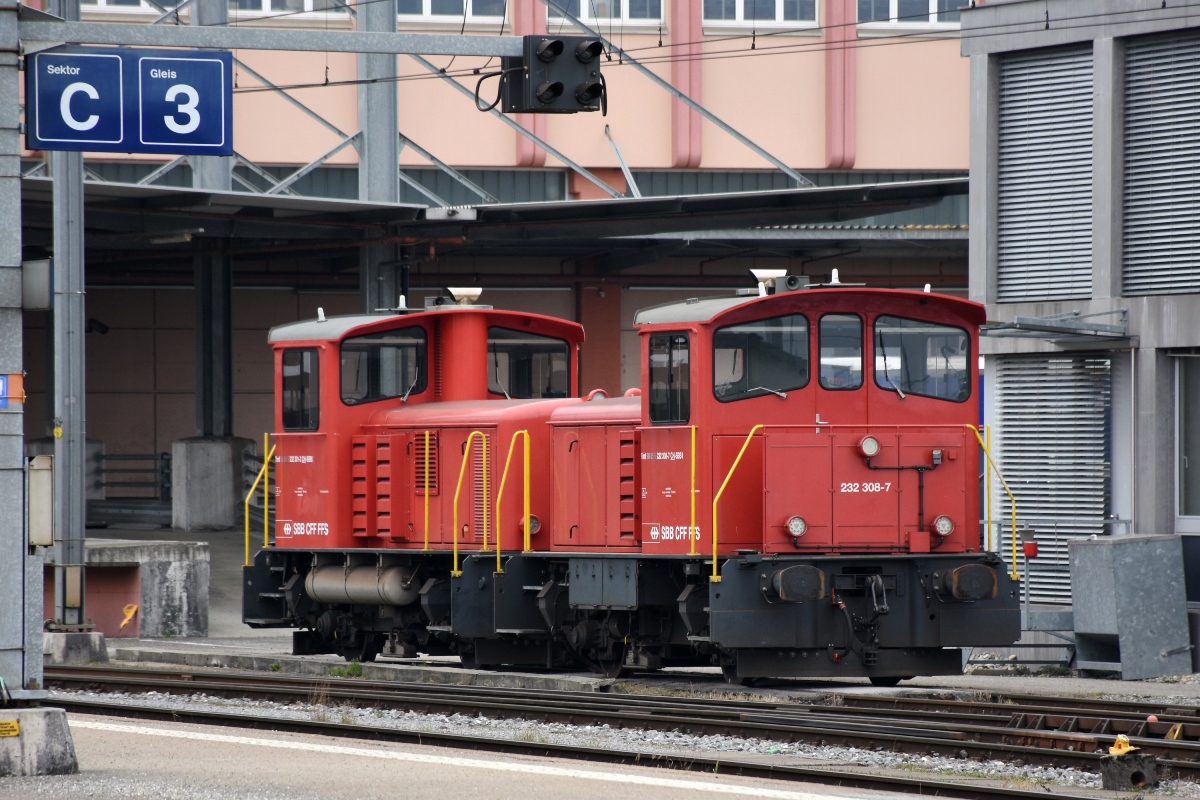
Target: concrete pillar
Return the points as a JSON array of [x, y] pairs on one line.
[[1154, 443], [206, 482], [44, 746], [599, 311]]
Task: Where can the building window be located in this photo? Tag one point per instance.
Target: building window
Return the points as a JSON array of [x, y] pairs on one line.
[[760, 11], [632, 11], [767, 356], [841, 351], [301, 406], [908, 12], [383, 365], [442, 10], [527, 365], [670, 395], [286, 6], [1189, 437]]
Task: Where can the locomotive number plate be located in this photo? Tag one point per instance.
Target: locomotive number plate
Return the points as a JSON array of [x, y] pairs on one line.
[[866, 487]]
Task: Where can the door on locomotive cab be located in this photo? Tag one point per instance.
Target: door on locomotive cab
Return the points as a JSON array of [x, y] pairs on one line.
[[841, 398], [666, 448], [305, 472]]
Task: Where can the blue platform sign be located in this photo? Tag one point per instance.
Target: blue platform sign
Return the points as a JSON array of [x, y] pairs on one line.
[[123, 100]]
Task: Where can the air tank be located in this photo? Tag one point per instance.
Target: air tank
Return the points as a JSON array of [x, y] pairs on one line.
[[387, 586]]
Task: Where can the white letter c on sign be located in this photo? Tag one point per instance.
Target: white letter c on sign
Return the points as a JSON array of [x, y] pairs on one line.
[[64, 106]]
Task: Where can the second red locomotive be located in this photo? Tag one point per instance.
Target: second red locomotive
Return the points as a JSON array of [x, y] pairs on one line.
[[792, 491]]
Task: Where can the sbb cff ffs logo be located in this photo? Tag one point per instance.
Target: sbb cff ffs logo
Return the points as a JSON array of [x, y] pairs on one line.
[[555, 75]]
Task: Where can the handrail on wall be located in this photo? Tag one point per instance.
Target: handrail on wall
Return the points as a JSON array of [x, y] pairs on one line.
[[456, 572], [266, 479], [716, 576], [1012, 502], [525, 494]]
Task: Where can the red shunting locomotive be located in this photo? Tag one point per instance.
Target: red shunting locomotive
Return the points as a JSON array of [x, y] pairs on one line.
[[793, 490]]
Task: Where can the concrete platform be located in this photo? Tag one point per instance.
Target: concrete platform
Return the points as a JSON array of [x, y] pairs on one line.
[[74, 648], [166, 581], [36, 741]]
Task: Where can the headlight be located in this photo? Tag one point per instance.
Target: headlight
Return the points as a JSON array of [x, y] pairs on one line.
[[869, 446], [535, 524], [943, 526], [797, 527]]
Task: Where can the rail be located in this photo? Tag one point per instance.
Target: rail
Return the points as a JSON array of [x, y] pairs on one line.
[[525, 494], [716, 576], [264, 477], [456, 572], [1012, 502]]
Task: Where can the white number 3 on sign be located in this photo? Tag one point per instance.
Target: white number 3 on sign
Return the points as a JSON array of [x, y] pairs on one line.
[[188, 108]]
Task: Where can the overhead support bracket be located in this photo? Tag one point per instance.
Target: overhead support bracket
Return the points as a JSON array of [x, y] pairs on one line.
[[446, 168], [415, 184], [1069, 326], [528, 134], [257, 170], [163, 170], [699, 109]]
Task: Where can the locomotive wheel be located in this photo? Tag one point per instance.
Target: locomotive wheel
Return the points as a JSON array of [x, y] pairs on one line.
[[365, 652], [885, 680]]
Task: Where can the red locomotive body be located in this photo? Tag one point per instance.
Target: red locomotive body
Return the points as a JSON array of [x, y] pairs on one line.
[[793, 482]]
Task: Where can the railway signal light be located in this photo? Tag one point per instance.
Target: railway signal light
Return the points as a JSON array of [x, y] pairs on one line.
[[555, 75]]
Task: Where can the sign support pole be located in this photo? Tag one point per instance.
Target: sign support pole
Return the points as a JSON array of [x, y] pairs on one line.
[[68, 423]]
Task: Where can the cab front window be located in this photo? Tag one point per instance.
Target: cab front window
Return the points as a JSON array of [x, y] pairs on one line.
[[527, 366], [922, 358], [767, 356], [383, 365]]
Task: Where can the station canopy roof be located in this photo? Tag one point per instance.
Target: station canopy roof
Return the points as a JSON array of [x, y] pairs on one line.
[[134, 230]]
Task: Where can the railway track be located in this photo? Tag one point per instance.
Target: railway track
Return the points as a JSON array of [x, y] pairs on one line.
[[1022, 729]]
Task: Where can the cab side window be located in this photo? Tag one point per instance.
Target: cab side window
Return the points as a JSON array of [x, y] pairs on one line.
[[301, 406], [670, 384], [841, 351], [379, 366]]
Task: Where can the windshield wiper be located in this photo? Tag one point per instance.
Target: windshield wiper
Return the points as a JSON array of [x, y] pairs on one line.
[[411, 386], [887, 374], [775, 392]]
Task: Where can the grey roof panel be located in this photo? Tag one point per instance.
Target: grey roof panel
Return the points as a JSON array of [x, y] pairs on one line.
[[693, 310], [330, 328]]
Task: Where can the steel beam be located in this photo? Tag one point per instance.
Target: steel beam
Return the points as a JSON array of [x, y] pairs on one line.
[[211, 172], [665, 84], [214, 346], [237, 38], [379, 173], [449, 170], [310, 166]]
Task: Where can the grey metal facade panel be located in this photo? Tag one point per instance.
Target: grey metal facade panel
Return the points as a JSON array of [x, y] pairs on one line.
[[1044, 180], [1053, 437], [1161, 231]]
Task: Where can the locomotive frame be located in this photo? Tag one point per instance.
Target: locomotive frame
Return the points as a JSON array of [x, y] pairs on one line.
[[793, 490]]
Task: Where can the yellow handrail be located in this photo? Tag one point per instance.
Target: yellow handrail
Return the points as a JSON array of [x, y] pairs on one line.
[[456, 572], [266, 509], [1012, 501], [426, 490], [500, 493], [988, 487], [692, 497], [266, 491], [716, 578]]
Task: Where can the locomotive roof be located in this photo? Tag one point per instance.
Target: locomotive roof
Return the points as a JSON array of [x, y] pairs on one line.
[[329, 328], [706, 308]]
